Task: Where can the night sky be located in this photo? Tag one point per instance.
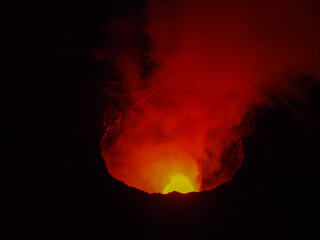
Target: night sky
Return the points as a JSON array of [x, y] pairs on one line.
[[57, 61]]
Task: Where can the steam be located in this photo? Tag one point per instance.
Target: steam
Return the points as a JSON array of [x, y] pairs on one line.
[[214, 61]]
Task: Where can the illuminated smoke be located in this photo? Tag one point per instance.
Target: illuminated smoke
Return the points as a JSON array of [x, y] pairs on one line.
[[213, 61]]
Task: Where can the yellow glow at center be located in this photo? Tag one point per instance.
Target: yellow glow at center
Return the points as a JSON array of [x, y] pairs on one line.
[[179, 183]]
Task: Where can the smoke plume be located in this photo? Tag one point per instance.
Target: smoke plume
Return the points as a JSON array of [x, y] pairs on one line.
[[189, 72]]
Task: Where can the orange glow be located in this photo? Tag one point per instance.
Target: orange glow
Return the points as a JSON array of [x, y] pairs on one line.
[[179, 183]]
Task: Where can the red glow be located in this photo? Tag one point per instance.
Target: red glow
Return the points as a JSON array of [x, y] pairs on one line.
[[214, 58]]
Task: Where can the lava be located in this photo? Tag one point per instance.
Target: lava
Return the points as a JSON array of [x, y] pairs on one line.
[[177, 129], [179, 183]]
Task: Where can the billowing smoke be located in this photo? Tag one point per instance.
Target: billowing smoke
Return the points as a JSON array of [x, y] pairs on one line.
[[186, 84]]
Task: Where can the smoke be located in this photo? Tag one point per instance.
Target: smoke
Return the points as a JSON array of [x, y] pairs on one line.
[[213, 60]]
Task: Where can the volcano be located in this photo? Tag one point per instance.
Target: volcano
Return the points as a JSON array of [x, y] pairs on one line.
[[84, 81]]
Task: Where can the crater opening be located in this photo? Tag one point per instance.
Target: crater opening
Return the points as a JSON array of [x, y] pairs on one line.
[[182, 78]]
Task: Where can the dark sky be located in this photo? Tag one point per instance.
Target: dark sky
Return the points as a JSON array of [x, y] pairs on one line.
[[54, 183]]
